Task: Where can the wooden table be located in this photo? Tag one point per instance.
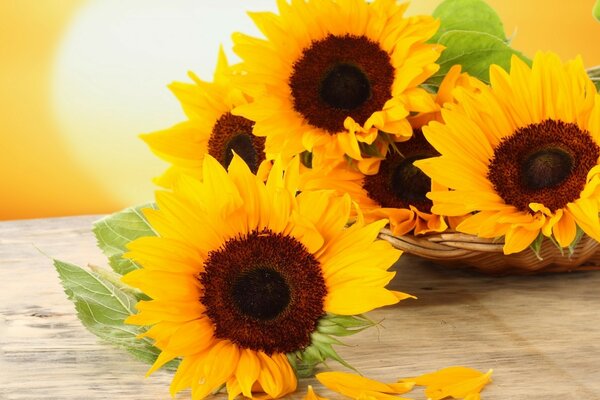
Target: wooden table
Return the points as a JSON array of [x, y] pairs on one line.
[[541, 334]]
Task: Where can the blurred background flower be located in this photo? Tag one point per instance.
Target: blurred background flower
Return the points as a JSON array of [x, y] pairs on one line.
[[80, 79]]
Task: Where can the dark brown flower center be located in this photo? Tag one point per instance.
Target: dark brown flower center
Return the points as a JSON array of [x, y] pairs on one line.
[[264, 291], [261, 293], [546, 168], [345, 87], [398, 183], [232, 133], [341, 76], [545, 163]]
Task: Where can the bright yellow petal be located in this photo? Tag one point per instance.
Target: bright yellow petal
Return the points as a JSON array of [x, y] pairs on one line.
[[311, 395], [585, 213], [163, 358], [518, 239], [247, 372], [564, 230], [350, 300], [275, 378], [220, 364], [459, 389], [352, 385], [184, 376]]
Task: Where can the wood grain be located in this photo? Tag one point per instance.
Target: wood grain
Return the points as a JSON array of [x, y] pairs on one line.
[[540, 334]]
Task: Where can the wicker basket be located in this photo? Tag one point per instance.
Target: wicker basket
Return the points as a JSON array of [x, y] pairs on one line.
[[461, 250]]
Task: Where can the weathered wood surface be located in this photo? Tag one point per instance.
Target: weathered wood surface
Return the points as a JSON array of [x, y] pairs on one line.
[[541, 334]]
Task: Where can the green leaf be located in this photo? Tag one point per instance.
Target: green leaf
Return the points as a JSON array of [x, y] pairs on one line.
[[558, 246], [578, 236], [474, 37], [115, 279], [370, 150], [343, 325], [115, 231], [468, 15], [475, 51], [594, 74], [102, 305], [536, 246], [306, 158], [596, 10], [322, 340]]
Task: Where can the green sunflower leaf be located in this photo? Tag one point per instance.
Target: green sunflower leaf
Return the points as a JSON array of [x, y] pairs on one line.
[[596, 10], [468, 15], [323, 339], [343, 325], [578, 237], [370, 150], [473, 36], [306, 158], [115, 231], [594, 74], [536, 246], [475, 51], [558, 246], [102, 304]]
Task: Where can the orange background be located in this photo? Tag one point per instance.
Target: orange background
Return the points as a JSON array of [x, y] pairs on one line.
[[56, 159]]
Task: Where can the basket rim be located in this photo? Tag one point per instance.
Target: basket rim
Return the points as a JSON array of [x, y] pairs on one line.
[[445, 242], [460, 249]]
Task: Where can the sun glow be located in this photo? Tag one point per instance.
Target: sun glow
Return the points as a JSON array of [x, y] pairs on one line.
[[110, 80]]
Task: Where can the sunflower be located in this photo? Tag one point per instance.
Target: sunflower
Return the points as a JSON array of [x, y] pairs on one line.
[[245, 278], [522, 155], [396, 192], [453, 79], [211, 128], [395, 189], [335, 75]]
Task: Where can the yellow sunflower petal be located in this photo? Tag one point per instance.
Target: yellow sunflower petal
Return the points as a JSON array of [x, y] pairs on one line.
[[350, 300], [456, 382], [247, 371], [192, 338], [212, 378], [333, 211], [311, 395], [468, 387], [184, 376], [353, 386], [482, 224], [585, 213], [233, 388], [160, 310], [163, 285], [274, 377], [518, 239], [565, 229], [165, 254], [163, 358]]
